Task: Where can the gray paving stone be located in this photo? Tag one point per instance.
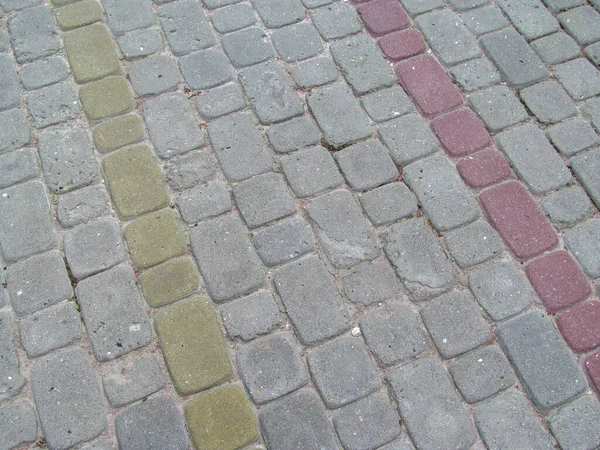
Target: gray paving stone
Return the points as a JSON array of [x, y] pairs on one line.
[[4, 40], [204, 201], [593, 53], [373, 283], [482, 373], [362, 64], [214, 242], [429, 406], [82, 205], [367, 424], [443, 29], [68, 399], [408, 138], [420, 262], [311, 300], [297, 42], [567, 206], [394, 335], [530, 17], [44, 72], [297, 421], [579, 77], [33, 34], [272, 367], [128, 16], [548, 101], [515, 59], [11, 380], [25, 227], [277, 13], [3, 290], [576, 424], [585, 167], [247, 47], [416, 7], [250, 316], [68, 161], [559, 5], [311, 171], [140, 43], [155, 424], [38, 282], [501, 289], [340, 226], [18, 424], [507, 421], [573, 136], [315, 72], [50, 329], [93, 247], [220, 101], [296, 133], [271, 92], [18, 166], [388, 203], [473, 244], [212, 4], [12, 5], [336, 21], [10, 96], [462, 5], [99, 445], [542, 360], [205, 69], [540, 167], [113, 313], [556, 48], [498, 107], [387, 103], [590, 108], [233, 18], [172, 124], [53, 104], [484, 20], [186, 27], [239, 147], [316, 3], [189, 170], [403, 444], [444, 197], [126, 383], [283, 242], [584, 242], [475, 74], [343, 371], [154, 75], [582, 23]]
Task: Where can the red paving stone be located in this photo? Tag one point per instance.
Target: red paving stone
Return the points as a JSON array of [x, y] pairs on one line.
[[517, 218], [428, 84], [461, 132], [580, 326], [592, 367], [383, 16], [558, 280], [402, 44], [484, 168]]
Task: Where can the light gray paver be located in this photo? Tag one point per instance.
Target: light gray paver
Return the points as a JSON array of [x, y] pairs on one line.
[[44, 72], [416, 7], [53, 104], [530, 17], [556, 48], [296, 133], [277, 13], [315, 72], [220, 101], [461, 5], [475, 74], [186, 27], [247, 47], [336, 21], [311, 300], [250, 316], [575, 425], [14, 130], [17, 166], [408, 138], [311, 171], [68, 399], [582, 23], [128, 16], [140, 43], [205, 69], [114, 316], [542, 360], [13, 5], [593, 53], [473, 244], [33, 34], [316, 3], [548, 101], [18, 424], [591, 109], [9, 88], [212, 4], [283, 242], [82, 205], [584, 242], [389, 203], [573, 136], [429, 406], [4, 40], [579, 77], [189, 170], [233, 18], [154, 75], [372, 283], [204, 201], [587, 170], [385, 104], [11, 380], [567, 206], [297, 42], [498, 107], [559, 5], [484, 20]]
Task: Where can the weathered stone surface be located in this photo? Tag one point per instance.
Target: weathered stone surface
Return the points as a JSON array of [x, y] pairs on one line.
[[107, 97], [294, 134], [586, 168], [140, 43], [297, 42], [14, 130], [247, 47], [127, 16], [389, 203], [78, 14], [186, 27], [82, 205], [315, 72], [283, 242], [251, 316], [576, 424], [277, 13], [17, 166], [168, 282], [311, 171], [118, 132], [18, 424], [204, 201], [126, 383], [584, 242], [205, 69], [233, 18], [370, 284], [53, 104], [11, 380], [154, 75], [9, 88], [33, 34], [567, 206], [408, 138], [473, 243], [573, 136], [189, 170], [530, 18], [336, 21], [220, 101]]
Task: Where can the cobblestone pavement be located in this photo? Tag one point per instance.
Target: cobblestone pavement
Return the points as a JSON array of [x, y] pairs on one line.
[[299, 224]]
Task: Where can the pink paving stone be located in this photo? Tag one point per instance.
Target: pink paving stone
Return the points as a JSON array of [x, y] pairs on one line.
[[517, 218], [402, 44], [581, 326], [484, 168], [592, 367], [428, 84], [383, 16], [558, 280], [460, 132]]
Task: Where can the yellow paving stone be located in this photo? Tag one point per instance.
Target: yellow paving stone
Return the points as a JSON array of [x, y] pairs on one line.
[[91, 52], [106, 98], [135, 181], [221, 419], [170, 281], [78, 14], [118, 132], [193, 345]]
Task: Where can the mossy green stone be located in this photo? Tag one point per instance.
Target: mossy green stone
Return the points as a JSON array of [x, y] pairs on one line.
[[193, 345], [63, 2], [135, 181], [118, 132], [91, 52], [78, 14], [170, 281], [155, 238], [106, 98], [221, 419]]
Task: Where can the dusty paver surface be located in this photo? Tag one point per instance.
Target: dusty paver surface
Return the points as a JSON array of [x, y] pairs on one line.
[[299, 224]]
